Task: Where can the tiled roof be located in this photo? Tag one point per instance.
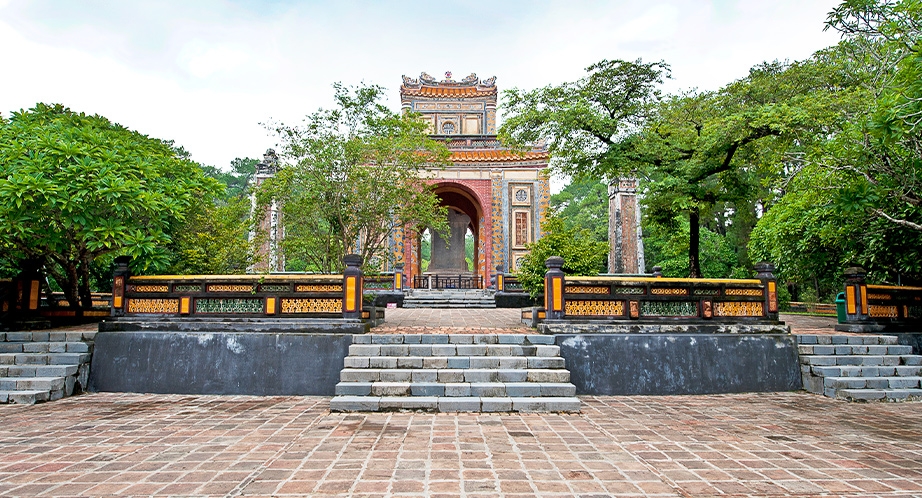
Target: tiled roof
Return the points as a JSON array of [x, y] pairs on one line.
[[494, 155], [448, 91]]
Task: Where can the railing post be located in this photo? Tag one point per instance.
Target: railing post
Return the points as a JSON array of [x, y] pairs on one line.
[[856, 294], [398, 277], [553, 288], [765, 273], [429, 282], [500, 279], [352, 286], [658, 271], [119, 279], [28, 288]]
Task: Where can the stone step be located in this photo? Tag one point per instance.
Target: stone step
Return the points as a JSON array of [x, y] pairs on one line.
[[872, 382], [32, 383], [442, 362], [38, 370], [846, 339], [452, 350], [879, 394], [47, 336], [454, 404], [457, 389], [861, 360], [412, 305], [43, 358], [46, 347], [856, 371], [521, 339], [848, 349], [24, 397], [450, 375]]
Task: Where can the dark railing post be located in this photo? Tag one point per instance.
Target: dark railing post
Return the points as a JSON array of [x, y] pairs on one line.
[[553, 288], [856, 294], [500, 279], [352, 286], [27, 288], [658, 271], [119, 279], [765, 273], [398, 277]]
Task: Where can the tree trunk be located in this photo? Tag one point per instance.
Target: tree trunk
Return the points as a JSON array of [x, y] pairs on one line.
[[694, 243], [70, 283], [86, 298]]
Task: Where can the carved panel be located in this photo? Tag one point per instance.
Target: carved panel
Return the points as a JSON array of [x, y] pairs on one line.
[[706, 309], [629, 290], [586, 289], [594, 308], [187, 288], [669, 308], [880, 297], [233, 305], [521, 229], [312, 305], [148, 288], [153, 306], [274, 288], [669, 291], [230, 288], [635, 309], [739, 309], [877, 311], [319, 288], [705, 292], [743, 292]]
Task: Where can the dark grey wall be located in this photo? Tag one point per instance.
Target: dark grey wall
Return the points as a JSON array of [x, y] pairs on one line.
[[913, 339], [612, 364], [218, 362]]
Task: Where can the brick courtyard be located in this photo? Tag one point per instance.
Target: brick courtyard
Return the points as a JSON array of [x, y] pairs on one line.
[[787, 444]]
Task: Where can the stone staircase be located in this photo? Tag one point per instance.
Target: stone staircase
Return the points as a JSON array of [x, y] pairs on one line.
[[40, 366], [449, 298], [454, 373], [860, 368]]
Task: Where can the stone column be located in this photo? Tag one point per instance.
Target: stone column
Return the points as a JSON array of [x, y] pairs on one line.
[[352, 286], [554, 286], [856, 294], [625, 243], [119, 279], [765, 273], [448, 258]]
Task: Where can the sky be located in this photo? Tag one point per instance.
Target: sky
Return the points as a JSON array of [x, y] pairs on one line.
[[208, 73]]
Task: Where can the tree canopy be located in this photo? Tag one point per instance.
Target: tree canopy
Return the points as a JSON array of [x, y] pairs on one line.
[[75, 187], [355, 174]]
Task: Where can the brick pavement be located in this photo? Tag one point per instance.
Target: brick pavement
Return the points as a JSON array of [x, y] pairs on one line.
[[786, 444]]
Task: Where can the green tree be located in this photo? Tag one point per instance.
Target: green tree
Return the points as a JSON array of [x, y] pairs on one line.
[[76, 187], [583, 204], [355, 175], [581, 254]]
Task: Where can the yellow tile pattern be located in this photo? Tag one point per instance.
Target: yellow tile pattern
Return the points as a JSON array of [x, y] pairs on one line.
[[739, 309], [312, 306], [153, 306], [743, 292], [594, 308], [318, 288]]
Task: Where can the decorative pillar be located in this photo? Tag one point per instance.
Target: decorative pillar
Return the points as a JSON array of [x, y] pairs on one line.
[[119, 280], [658, 271], [398, 277], [856, 294], [500, 279], [352, 286], [625, 254], [553, 288], [28, 285], [765, 273]]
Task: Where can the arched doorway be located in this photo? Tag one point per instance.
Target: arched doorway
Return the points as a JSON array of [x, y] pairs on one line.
[[462, 200]]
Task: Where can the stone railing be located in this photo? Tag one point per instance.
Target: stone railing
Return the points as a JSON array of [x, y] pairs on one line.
[[263, 296], [448, 282], [507, 282], [657, 298], [874, 308]]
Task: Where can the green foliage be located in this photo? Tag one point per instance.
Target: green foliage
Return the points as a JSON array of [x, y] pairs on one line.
[[75, 187], [583, 205], [355, 175], [666, 245], [581, 254]]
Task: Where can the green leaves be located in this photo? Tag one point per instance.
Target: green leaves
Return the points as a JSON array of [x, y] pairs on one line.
[[581, 254]]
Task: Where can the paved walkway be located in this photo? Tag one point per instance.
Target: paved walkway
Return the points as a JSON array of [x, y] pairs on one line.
[[787, 444]]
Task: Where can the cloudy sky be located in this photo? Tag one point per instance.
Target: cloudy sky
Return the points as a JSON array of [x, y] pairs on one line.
[[206, 73]]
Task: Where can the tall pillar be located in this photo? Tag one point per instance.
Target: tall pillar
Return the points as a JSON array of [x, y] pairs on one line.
[[625, 242], [448, 257]]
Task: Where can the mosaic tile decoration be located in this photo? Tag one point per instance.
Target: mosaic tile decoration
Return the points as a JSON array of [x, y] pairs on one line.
[[274, 288], [629, 290], [309, 305], [880, 297], [744, 292], [586, 289], [231, 306], [912, 311], [878, 311], [739, 308], [659, 291], [372, 285], [705, 292], [319, 288], [153, 305], [230, 288], [496, 205], [187, 288], [148, 288], [668, 308], [594, 308]]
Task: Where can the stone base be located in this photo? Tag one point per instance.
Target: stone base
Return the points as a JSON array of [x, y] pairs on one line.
[[230, 324], [684, 363], [514, 300], [228, 362]]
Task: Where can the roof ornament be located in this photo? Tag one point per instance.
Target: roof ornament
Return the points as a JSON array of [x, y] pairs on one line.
[[410, 82], [270, 163], [427, 79], [489, 82]]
